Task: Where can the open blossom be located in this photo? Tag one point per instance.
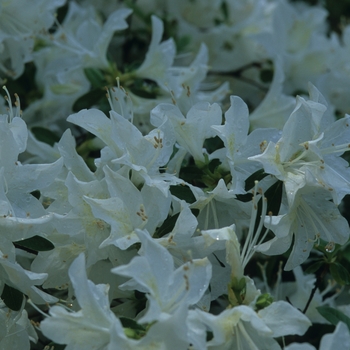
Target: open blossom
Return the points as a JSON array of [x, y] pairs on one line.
[[90, 327], [146, 226], [340, 338], [167, 289], [308, 147], [17, 330], [311, 216], [239, 146], [243, 328], [19, 29]]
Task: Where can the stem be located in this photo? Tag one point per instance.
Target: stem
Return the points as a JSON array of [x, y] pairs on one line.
[[319, 276]]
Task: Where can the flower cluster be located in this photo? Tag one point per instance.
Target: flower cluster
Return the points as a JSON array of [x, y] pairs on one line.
[[176, 178]]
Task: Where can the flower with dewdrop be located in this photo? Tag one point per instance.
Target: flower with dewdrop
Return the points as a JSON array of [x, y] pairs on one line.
[[312, 215], [308, 147]]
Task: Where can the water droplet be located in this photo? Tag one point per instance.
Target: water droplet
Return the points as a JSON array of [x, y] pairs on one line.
[[330, 247]]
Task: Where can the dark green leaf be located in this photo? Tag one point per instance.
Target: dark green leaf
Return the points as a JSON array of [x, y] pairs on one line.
[[167, 226], [245, 197], [266, 75], [130, 323], [333, 315], [55, 346], [340, 274], [36, 194], [12, 298], [213, 143], [274, 197], [210, 335], [183, 192], [314, 267], [182, 42], [95, 77], [36, 243], [89, 99], [45, 135], [144, 88], [257, 176], [346, 252]]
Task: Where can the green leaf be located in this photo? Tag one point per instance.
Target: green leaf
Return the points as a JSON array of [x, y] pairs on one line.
[[274, 197], [169, 223], [192, 174], [182, 42], [314, 267], [55, 346], [89, 99], [333, 315], [167, 226], [257, 176], [264, 300], [36, 243], [340, 274], [346, 252], [266, 75], [183, 192], [12, 298], [95, 77], [45, 135], [145, 88], [36, 194], [130, 323]]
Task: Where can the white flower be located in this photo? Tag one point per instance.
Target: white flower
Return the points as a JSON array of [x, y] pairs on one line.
[[298, 294], [239, 146], [276, 107], [128, 209], [242, 328], [167, 289], [190, 131], [16, 330], [339, 339], [90, 327], [160, 56], [145, 154], [311, 216], [83, 35], [304, 147], [18, 30], [15, 276]]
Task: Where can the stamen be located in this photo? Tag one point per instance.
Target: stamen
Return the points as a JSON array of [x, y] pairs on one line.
[[29, 301], [334, 149], [252, 221], [255, 239], [158, 146], [263, 273], [8, 99]]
